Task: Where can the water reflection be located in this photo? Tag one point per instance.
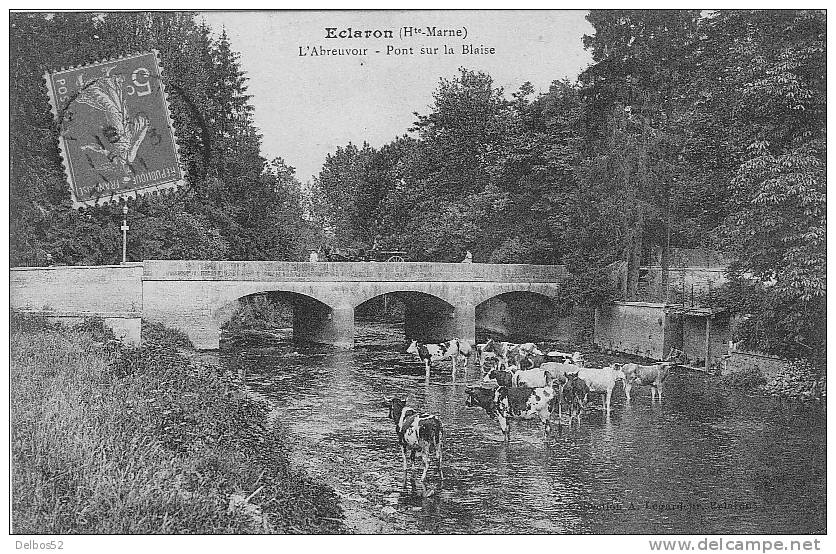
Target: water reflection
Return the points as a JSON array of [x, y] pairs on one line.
[[706, 460]]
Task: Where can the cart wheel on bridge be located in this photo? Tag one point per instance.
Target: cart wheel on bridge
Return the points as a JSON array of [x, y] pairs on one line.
[[395, 259]]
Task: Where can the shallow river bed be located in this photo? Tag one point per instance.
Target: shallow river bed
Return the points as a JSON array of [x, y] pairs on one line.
[[706, 460]]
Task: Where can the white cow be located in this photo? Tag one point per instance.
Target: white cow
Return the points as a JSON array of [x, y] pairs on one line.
[[602, 381], [653, 375], [564, 357]]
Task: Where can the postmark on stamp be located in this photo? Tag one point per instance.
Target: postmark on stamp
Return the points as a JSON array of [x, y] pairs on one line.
[[116, 134]]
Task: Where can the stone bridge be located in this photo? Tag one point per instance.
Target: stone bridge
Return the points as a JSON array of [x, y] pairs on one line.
[[442, 300]]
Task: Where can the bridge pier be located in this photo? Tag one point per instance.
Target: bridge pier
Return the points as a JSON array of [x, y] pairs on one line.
[[464, 318]]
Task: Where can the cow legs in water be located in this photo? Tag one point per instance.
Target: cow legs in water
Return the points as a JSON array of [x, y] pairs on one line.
[[427, 368], [405, 472], [425, 455], [547, 426], [627, 388], [453, 361], [504, 426]]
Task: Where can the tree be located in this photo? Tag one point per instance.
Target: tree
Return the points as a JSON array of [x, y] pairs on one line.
[[643, 60], [348, 202], [449, 180], [532, 188], [777, 228], [232, 205]]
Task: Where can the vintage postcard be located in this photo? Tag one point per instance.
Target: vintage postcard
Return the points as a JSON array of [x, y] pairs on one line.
[[441, 272]]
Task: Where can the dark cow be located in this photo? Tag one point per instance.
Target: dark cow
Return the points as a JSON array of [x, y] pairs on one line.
[[643, 375], [506, 403], [558, 373], [502, 377], [416, 432], [501, 350], [526, 356], [450, 350], [484, 357], [576, 395]]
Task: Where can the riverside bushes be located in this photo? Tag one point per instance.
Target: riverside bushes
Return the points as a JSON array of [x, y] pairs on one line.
[[796, 380], [109, 439], [799, 380]]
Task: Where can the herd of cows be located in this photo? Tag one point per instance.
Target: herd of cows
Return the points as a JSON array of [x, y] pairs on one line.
[[519, 382]]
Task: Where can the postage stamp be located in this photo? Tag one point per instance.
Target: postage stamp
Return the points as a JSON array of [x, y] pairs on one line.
[[116, 134]]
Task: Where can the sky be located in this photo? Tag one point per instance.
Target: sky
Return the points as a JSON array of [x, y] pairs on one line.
[[306, 106]]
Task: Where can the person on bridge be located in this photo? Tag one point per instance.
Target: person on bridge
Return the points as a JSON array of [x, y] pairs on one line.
[[468, 258], [314, 256]]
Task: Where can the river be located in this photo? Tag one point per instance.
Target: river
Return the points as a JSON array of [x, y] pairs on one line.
[[707, 460]]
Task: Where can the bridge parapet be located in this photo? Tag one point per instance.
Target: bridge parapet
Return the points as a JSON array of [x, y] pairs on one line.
[[202, 270]]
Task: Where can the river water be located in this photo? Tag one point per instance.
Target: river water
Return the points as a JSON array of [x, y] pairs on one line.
[[708, 460]]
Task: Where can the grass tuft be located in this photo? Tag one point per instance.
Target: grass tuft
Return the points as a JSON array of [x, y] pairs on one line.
[[110, 439]]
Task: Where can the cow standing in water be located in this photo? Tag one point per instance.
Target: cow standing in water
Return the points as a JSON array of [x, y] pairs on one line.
[[483, 357], [502, 377], [643, 375], [452, 350], [505, 403], [602, 381], [416, 433], [501, 350], [575, 394], [526, 356]]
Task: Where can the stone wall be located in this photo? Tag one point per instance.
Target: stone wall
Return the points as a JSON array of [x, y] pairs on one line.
[[636, 328], [71, 293], [651, 330], [735, 362]]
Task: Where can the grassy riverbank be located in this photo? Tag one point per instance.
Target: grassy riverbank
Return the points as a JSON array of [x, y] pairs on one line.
[[107, 439]]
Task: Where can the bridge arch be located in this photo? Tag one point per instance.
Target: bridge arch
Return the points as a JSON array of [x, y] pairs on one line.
[[519, 315], [546, 290], [317, 317], [427, 317], [228, 296]]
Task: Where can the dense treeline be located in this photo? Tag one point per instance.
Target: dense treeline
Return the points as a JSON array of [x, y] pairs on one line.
[[236, 204], [689, 129]]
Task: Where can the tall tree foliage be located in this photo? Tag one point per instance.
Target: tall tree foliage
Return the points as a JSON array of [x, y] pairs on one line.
[[232, 202], [777, 228], [642, 62]]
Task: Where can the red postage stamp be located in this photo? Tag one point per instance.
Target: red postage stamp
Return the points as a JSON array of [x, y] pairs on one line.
[[116, 134]]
